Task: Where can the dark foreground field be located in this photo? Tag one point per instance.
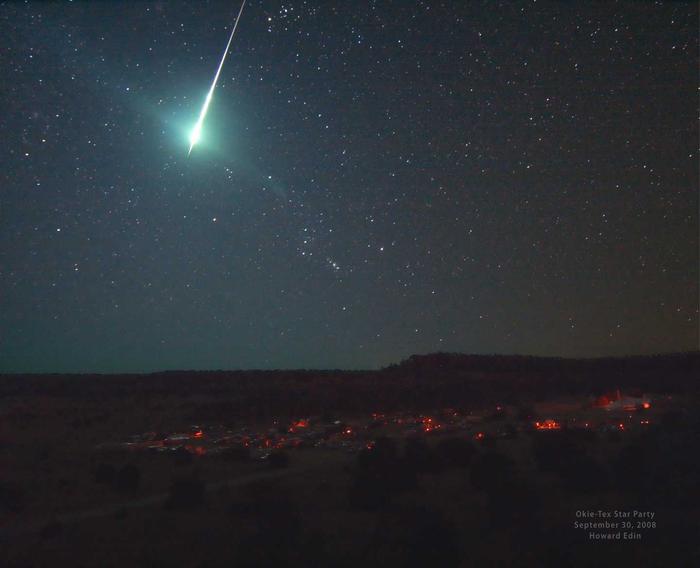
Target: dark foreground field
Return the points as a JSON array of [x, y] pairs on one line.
[[434, 462]]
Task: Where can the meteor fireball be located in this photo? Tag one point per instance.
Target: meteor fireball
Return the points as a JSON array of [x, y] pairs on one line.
[[196, 133]]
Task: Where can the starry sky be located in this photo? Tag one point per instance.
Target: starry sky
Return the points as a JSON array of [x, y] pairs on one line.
[[374, 179]]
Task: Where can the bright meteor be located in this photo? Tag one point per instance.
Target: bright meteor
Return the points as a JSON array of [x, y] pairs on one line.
[[196, 133]]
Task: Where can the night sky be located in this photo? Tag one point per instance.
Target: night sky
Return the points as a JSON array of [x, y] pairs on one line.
[[374, 179]]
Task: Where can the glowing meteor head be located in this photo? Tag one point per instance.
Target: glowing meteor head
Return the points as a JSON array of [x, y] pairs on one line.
[[195, 135]]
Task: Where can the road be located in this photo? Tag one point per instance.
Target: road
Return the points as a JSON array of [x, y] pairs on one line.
[[36, 525]]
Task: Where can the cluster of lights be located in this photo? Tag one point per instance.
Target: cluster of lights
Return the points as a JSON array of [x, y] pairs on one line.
[[548, 424], [429, 425], [298, 425]]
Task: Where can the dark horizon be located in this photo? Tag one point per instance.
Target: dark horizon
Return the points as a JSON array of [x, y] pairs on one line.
[[482, 357]]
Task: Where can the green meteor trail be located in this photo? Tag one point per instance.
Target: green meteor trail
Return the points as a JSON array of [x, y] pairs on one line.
[[196, 133]]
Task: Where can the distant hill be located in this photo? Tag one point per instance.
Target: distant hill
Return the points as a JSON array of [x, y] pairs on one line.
[[438, 380], [440, 361]]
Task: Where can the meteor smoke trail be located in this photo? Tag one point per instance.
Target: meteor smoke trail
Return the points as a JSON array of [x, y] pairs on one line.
[[197, 130]]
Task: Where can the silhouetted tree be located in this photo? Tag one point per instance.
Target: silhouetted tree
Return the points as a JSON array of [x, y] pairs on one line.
[[379, 475], [420, 457]]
